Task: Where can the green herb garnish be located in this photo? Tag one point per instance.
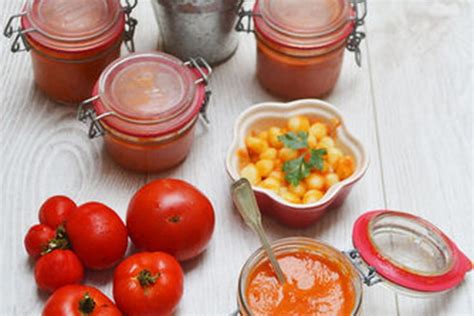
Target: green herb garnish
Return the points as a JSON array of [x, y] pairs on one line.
[[294, 141], [297, 169]]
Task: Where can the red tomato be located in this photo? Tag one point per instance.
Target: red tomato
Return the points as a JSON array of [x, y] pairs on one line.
[[148, 283], [79, 300], [170, 215], [37, 239], [97, 235], [58, 268], [55, 210]]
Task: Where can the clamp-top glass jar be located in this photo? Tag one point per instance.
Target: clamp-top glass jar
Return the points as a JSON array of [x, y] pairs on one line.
[[402, 251], [301, 43], [71, 42], [146, 106]]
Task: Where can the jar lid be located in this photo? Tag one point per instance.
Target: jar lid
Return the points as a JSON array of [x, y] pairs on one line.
[[70, 24], [148, 95], [305, 24], [409, 252]]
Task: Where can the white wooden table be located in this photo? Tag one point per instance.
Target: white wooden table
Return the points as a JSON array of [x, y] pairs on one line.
[[411, 104]]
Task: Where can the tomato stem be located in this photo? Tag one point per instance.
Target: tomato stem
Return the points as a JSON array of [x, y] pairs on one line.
[[60, 241], [146, 278], [86, 304], [174, 219]]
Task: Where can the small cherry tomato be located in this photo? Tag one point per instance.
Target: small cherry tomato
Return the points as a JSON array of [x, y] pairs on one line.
[[170, 215], [148, 283], [58, 268], [37, 239], [97, 235], [79, 300], [55, 210]]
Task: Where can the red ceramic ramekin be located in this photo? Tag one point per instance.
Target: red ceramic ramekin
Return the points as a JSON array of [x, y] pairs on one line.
[[265, 115]]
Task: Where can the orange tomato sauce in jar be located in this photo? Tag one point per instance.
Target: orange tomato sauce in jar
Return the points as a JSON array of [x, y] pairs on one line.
[[71, 43], [318, 282], [147, 106], [300, 45]]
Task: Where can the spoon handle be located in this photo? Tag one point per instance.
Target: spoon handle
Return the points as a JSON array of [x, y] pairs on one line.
[[244, 199]]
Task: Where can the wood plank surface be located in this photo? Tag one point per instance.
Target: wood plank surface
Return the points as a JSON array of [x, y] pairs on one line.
[[410, 104]]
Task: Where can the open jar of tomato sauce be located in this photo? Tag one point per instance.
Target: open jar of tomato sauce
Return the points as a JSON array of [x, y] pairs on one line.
[[71, 42], [146, 106], [393, 248], [301, 43]]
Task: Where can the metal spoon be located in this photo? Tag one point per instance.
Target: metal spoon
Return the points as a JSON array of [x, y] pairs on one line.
[[244, 199]]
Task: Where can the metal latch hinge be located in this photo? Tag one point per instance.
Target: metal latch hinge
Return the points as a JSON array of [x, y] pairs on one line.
[[86, 114], [130, 25], [368, 273], [355, 38]]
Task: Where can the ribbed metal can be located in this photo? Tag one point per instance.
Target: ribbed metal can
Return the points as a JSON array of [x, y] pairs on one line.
[[203, 28]]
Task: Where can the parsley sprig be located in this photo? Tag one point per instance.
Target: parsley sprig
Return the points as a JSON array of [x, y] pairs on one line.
[[299, 168]]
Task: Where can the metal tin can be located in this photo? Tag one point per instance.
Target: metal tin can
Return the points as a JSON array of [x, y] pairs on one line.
[[202, 28]]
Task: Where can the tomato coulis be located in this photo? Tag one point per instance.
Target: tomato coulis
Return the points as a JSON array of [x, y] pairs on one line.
[[315, 285]]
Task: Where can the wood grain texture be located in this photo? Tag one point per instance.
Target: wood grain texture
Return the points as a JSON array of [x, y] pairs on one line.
[[405, 99]]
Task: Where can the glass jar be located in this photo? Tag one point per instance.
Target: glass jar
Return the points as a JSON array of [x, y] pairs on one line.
[[301, 43], [399, 250], [71, 42], [146, 106], [198, 27]]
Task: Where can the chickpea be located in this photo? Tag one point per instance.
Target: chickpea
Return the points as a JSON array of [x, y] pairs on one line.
[[290, 197], [264, 167], [312, 141], [334, 154], [277, 174], [271, 184], [345, 167], [312, 196], [331, 179], [326, 142], [251, 173], [263, 136], [319, 130], [270, 153], [273, 134], [298, 190], [298, 124], [286, 154], [315, 182], [256, 145]]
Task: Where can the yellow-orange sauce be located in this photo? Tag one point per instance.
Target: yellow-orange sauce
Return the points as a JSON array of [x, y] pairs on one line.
[[314, 285]]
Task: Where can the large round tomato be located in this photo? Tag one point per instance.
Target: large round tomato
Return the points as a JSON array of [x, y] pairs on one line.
[[148, 283], [170, 215], [79, 300], [55, 210], [58, 268], [97, 235]]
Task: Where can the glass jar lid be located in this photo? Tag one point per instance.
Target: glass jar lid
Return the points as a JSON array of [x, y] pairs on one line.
[[66, 24], [304, 23], [146, 95], [409, 252]]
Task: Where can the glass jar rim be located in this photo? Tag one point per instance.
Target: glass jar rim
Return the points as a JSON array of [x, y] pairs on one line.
[[275, 31], [291, 244], [119, 116], [39, 29]]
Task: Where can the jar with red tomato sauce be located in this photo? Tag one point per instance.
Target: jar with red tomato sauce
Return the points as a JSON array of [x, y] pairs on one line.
[[146, 106], [71, 42], [400, 250], [301, 43]]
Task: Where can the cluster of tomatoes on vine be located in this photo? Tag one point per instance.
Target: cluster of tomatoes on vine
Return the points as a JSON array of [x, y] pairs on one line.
[[168, 219]]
